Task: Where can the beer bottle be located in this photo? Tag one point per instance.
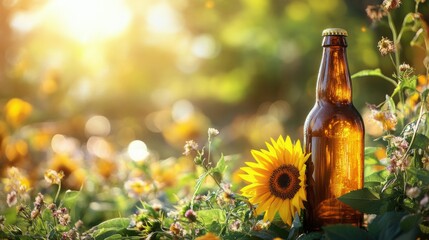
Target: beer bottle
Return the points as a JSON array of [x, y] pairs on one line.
[[334, 134]]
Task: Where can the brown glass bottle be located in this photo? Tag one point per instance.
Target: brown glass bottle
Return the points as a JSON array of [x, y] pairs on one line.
[[334, 134]]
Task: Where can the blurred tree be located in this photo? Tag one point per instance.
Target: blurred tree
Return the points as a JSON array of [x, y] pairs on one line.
[[248, 67]]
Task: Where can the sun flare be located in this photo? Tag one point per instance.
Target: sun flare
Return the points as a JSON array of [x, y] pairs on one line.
[[88, 20]]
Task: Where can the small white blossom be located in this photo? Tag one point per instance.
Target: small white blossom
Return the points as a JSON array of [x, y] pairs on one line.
[[413, 192], [11, 199], [213, 132], [190, 146]]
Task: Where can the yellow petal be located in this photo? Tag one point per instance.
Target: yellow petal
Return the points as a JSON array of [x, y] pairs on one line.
[[264, 205], [275, 145], [295, 202], [255, 165], [259, 198], [293, 210], [288, 158], [251, 186], [261, 158], [271, 149], [272, 210], [284, 212], [270, 155], [263, 179], [288, 144], [298, 147], [247, 178], [251, 171], [301, 194]]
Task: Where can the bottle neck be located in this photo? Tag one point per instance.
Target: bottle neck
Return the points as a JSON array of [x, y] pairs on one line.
[[334, 82]]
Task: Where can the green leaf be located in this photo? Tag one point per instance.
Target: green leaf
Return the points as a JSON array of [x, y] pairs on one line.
[[367, 72], [425, 94], [408, 83], [220, 165], [207, 217], [310, 236], [345, 232], [410, 221], [420, 142], [115, 223], [369, 151], [363, 200], [424, 228], [70, 198], [115, 228], [199, 183], [261, 235], [420, 174], [371, 161], [70, 195], [295, 228], [114, 236], [408, 19], [106, 234], [386, 226], [378, 177]]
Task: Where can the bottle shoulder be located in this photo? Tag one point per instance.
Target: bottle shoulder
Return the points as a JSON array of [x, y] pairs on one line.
[[333, 119]]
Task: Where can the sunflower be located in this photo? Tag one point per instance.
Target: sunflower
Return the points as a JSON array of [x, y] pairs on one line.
[[277, 179]]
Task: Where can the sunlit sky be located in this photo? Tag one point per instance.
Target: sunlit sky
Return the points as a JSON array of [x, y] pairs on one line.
[[156, 52], [92, 20]]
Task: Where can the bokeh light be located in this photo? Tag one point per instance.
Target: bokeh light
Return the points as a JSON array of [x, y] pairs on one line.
[[162, 18], [64, 145], [99, 147], [137, 150], [97, 126]]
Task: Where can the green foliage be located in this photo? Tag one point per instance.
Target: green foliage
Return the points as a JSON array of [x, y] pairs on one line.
[[345, 232], [111, 229], [396, 197], [364, 200]]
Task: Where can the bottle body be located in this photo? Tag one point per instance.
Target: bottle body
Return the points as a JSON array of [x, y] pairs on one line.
[[334, 134]]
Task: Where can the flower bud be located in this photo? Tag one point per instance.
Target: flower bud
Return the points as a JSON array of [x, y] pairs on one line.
[[191, 215]]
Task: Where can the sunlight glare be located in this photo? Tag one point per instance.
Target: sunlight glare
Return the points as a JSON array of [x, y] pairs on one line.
[[24, 22], [162, 18], [88, 20]]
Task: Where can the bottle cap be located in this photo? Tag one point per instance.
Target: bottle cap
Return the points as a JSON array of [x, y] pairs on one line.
[[334, 31]]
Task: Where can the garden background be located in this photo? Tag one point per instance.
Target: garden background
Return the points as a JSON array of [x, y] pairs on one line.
[[92, 87]]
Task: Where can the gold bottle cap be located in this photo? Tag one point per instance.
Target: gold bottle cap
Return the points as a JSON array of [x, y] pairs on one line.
[[334, 31]]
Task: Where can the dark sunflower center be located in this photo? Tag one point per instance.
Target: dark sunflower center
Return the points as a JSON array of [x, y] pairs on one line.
[[284, 181]]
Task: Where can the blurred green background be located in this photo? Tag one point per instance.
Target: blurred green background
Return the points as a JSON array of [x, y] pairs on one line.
[[96, 76]]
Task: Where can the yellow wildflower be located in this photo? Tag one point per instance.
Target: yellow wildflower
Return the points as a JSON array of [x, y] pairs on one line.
[[53, 177], [277, 179]]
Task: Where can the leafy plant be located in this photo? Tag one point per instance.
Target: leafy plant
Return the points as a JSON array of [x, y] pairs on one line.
[[396, 197]]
